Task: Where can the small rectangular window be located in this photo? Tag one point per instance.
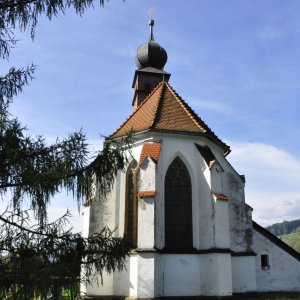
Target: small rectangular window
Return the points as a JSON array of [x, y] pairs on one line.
[[264, 259]]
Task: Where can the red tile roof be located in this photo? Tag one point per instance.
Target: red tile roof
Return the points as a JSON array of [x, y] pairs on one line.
[[152, 150], [146, 194], [164, 110], [221, 196]]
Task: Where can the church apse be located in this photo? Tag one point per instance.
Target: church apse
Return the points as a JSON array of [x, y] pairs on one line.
[[181, 204]]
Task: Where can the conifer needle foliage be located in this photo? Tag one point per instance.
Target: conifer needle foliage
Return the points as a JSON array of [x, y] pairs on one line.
[[44, 261], [38, 258]]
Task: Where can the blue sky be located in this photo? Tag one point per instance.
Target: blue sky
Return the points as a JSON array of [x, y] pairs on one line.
[[237, 63]]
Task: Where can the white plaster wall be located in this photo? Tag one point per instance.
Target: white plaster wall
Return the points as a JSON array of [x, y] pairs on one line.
[[146, 182], [120, 202], [133, 276], [102, 212], [284, 271], [240, 227], [216, 274], [216, 178], [110, 212], [85, 234], [204, 203], [240, 218], [125, 282], [120, 186], [197, 274], [146, 176], [86, 221], [181, 276], [243, 274], [221, 217], [146, 238], [149, 275], [145, 275], [159, 204], [96, 288]]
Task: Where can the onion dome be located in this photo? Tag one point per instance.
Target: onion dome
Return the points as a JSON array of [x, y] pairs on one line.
[[151, 54]]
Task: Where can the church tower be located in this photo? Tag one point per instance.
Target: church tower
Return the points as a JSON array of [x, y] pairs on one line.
[[180, 203], [150, 60]]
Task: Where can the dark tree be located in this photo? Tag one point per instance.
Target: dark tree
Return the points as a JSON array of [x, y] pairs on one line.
[[38, 257]]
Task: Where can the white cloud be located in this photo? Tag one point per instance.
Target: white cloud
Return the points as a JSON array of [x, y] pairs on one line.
[[272, 180]]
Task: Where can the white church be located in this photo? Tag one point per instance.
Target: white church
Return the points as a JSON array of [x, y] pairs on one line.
[[182, 205]]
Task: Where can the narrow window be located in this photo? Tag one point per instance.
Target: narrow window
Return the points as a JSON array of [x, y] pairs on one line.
[[264, 259], [178, 207], [131, 205]]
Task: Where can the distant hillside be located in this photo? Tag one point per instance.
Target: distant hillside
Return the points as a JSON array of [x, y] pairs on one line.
[[285, 227], [288, 232], [292, 239]]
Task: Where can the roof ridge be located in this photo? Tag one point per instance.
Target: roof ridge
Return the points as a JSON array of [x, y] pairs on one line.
[[193, 114], [187, 109], [138, 108], [158, 106]]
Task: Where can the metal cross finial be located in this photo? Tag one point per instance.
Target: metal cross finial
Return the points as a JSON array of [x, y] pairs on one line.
[[151, 12]]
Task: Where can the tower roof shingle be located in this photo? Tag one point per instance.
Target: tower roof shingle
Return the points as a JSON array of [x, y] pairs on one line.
[[165, 110]]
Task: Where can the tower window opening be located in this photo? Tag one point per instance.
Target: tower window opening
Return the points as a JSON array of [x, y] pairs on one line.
[[264, 259]]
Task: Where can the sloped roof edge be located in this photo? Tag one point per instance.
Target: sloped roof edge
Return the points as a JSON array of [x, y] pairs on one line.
[[278, 242], [194, 118], [137, 110]]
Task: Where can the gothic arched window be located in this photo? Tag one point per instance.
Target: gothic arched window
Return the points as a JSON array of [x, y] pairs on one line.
[[178, 207], [131, 205]]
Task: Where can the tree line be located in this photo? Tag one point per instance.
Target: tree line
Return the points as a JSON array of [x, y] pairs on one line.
[[284, 227]]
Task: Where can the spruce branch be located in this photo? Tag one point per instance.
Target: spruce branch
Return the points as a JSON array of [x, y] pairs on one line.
[[13, 83]]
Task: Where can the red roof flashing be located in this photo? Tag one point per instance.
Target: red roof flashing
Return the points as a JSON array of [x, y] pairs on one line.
[[220, 196], [152, 150], [146, 194]]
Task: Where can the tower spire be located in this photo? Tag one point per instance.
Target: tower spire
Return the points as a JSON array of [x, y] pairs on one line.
[[151, 54], [150, 59], [151, 24]]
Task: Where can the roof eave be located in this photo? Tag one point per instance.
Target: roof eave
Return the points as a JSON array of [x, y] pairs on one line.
[[273, 238], [204, 134]]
